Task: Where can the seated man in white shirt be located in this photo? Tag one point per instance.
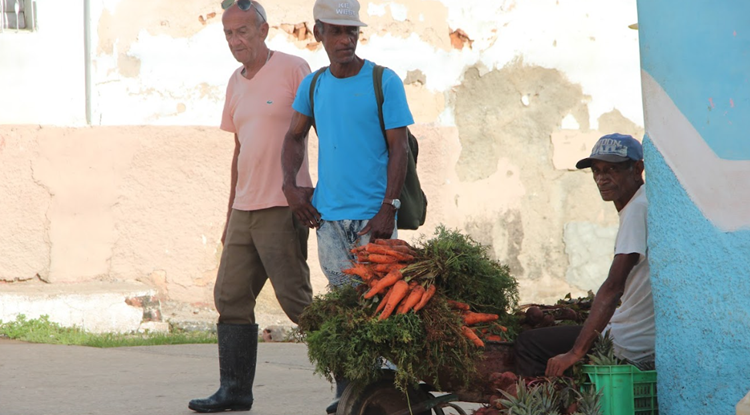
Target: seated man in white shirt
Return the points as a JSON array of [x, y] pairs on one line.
[[616, 162]]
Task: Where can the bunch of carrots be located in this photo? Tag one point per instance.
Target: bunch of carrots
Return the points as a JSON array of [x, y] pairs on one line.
[[471, 319], [380, 265]]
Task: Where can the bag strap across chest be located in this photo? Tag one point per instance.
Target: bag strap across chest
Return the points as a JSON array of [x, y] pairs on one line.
[[377, 81]]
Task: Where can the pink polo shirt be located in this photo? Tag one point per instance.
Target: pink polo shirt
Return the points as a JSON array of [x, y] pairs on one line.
[[259, 111]]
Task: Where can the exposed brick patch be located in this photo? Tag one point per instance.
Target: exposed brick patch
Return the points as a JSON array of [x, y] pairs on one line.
[[276, 334], [459, 39], [150, 304]]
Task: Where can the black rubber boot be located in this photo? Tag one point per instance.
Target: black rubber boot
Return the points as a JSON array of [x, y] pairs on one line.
[[238, 350], [341, 384]]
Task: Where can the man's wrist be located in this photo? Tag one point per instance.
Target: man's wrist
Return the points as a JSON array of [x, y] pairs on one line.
[[394, 203], [580, 354]]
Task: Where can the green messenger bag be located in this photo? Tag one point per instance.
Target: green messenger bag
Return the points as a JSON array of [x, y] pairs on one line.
[[413, 209]]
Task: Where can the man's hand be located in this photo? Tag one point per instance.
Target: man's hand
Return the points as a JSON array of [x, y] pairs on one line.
[[381, 226], [560, 363], [602, 309], [300, 201]]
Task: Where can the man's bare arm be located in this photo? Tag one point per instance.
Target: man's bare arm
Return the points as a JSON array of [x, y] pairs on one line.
[[602, 309], [292, 156], [233, 186], [383, 223]]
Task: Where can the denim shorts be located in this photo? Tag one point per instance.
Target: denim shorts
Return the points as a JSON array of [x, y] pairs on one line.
[[335, 241]]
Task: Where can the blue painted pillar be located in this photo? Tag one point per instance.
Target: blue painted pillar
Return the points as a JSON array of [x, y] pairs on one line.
[[695, 61]]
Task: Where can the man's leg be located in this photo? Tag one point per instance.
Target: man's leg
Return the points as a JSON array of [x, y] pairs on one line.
[[239, 280], [282, 244], [534, 347], [335, 241], [241, 274]]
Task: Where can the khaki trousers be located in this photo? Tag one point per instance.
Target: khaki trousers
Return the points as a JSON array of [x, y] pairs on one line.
[[266, 244]]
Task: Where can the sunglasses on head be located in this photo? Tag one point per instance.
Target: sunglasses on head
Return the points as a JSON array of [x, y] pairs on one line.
[[244, 5]]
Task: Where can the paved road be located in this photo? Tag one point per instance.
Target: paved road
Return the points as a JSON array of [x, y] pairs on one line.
[[43, 379], [40, 379]]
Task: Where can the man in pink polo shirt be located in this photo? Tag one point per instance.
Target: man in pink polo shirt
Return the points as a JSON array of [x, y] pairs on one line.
[[262, 238]]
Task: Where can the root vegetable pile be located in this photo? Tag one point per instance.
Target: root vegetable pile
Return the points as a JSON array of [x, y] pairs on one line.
[[381, 266], [478, 321], [427, 308], [567, 311]]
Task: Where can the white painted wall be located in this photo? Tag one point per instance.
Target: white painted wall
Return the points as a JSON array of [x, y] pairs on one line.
[[42, 73]]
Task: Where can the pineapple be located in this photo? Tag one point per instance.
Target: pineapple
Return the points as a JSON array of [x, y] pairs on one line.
[[525, 403], [553, 397], [603, 352], [589, 402], [540, 400], [549, 399]]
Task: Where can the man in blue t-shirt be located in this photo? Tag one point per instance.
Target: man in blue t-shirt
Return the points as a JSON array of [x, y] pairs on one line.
[[360, 172]]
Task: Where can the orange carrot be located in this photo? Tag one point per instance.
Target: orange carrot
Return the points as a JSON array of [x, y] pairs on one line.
[[382, 259], [386, 250], [428, 293], [458, 305], [363, 257], [501, 328], [476, 318], [401, 256], [469, 333], [386, 282], [493, 338], [374, 280], [391, 242], [388, 267], [377, 249], [401, 307], [360, 270], [357, 249], [416, 294], [383, 301], [398, 292], [403, 249]]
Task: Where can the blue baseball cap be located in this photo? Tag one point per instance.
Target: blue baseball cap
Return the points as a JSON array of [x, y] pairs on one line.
[[613, 148]]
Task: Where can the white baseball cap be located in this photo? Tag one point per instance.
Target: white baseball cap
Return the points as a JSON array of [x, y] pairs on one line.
[[337, 12]]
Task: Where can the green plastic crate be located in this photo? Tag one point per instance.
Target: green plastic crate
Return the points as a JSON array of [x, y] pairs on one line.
[[625, 389]]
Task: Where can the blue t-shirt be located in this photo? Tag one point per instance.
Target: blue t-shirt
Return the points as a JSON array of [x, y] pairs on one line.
[[352, 152]]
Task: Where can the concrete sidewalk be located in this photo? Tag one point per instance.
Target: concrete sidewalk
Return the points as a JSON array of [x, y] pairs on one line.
[[41, 379]]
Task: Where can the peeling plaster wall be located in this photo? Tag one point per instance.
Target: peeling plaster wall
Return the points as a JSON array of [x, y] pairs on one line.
[[24, 240], [507, 95], [114, 203]]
